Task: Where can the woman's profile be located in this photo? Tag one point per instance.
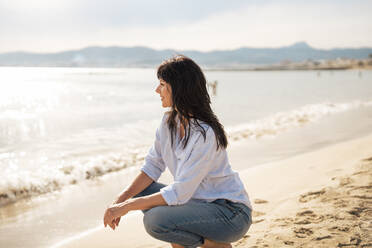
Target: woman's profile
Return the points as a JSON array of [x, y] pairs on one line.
[[206, 205]]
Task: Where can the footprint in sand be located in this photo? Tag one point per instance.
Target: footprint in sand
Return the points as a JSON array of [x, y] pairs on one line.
[[302, 222], [311, 195], [257, 221], [339, 228], [306, 212], [357, 211], [257, 213], [367, 159], [302, 232], [308, 217], [354, 241], [359, 192], [288, 242], [323, 237], [260, 201], [341, 203], [345, 181]]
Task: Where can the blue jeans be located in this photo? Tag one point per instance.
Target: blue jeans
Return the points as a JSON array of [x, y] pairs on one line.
[[188, 224]]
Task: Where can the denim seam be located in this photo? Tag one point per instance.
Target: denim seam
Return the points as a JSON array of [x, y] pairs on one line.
[[206, 221]]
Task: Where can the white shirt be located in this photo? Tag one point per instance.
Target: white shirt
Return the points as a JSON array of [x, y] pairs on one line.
[[199, 171]]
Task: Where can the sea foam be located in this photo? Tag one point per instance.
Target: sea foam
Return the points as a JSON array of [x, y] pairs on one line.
[[18, 184]]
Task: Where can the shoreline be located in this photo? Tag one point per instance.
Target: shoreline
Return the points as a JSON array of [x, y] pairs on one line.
[[291, 69], [272, 197], [294, 68], [264, 148], [263, 68]]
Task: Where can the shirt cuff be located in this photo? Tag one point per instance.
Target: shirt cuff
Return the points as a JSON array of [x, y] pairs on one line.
[[150, 173], [169, 195]]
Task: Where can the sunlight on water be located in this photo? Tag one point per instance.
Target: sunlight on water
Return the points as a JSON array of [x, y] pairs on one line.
[[29, 90], [61, 126], [24, 96]]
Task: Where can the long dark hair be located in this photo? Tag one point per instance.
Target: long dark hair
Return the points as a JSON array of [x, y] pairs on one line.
[[190, 98]]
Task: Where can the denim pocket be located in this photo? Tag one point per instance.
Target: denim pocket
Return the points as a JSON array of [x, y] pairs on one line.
[[243, 209], [225, 203], [240, 219]]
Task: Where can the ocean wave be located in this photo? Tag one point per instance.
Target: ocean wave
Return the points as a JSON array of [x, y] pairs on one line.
[[19, 184], [283, 121]]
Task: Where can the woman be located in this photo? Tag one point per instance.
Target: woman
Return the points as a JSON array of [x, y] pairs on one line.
[[207, 204]]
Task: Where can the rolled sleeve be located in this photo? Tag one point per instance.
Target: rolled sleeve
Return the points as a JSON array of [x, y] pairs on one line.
[[154, 165], [169, 195], [192, 170]]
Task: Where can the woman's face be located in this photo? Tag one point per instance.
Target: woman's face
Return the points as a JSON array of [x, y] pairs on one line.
[[165, 91]]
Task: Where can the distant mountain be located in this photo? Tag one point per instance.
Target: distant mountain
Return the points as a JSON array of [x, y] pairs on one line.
[[147, 57]]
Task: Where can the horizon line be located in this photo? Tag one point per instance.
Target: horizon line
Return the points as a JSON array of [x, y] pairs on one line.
[[185, 50]]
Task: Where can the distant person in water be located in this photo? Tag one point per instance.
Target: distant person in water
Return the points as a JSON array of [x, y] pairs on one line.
[[206, 205], [213, 85]]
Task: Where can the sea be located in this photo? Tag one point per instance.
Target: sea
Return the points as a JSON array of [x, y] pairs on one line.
[[65, 132]]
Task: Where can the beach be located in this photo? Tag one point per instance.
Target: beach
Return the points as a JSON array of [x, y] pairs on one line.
[[317, 199], [66, 151], [286, 88]]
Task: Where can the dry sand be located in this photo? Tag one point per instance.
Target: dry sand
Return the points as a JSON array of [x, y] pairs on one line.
[[333, 216], [318, 199]]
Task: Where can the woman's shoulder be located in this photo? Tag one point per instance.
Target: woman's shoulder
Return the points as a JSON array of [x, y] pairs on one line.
[[165, 117], [198, 125], [162, 128], [203, 132]]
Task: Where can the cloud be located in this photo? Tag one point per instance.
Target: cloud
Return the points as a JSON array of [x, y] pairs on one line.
[[269, 25], [96, 14], [203, 25]]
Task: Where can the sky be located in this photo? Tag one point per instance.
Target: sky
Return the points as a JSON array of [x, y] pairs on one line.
[[204, 25]]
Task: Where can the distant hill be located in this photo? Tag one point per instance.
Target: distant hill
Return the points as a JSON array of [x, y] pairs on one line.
[[147, 57]]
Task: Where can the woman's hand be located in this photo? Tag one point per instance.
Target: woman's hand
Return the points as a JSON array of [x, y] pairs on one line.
[[116, 221], [113, 213], [108, 218]]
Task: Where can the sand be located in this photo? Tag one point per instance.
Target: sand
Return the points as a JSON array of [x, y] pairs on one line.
[[318, 199], [332, 216]]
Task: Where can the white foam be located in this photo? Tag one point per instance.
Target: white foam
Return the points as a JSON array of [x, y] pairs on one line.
[[22, 183], [283, 121], [19, 183]]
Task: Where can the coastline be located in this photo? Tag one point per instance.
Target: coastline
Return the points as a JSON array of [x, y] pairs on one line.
[[274, 189], [293, 68]]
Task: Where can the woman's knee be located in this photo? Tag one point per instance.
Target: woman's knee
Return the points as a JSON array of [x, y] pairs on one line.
[[156, 222]]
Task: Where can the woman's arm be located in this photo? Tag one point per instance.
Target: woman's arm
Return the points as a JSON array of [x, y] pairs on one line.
[[115, 211], [140, 203], [141, 182], [152, 169]]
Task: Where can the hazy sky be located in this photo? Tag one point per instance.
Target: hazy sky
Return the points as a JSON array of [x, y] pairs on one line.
[[56, 25]]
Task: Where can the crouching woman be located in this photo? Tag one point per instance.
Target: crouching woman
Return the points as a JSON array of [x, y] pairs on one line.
[[206, 205]]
